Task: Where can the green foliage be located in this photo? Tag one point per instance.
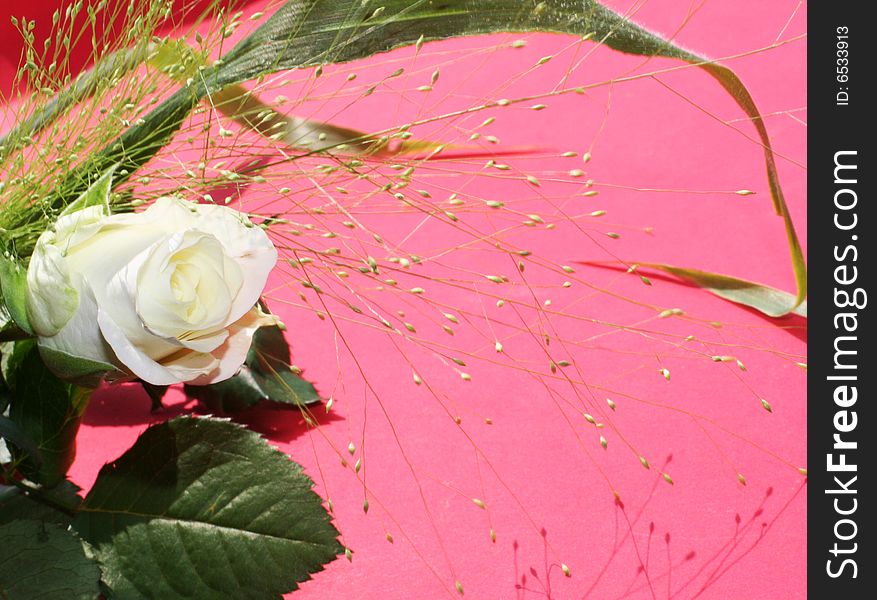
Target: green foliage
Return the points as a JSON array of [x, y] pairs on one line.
[[266, 375], [155, 393], [12, 433], [97, 194], [46, 561], [195, 495], [763, 298], [52, 506], [13, 287], [48, 411], [75, 369], [768, 300], [201, 488], [304, 33]]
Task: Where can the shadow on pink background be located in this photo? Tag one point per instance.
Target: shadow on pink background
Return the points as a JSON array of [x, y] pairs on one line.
[[547, 484]]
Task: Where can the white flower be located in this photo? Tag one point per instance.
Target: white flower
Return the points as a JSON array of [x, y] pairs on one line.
[[167, 295]]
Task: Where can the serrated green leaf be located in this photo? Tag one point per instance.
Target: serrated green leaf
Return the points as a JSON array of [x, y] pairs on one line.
[[286, 387], [269, 359], [53, 506], [18, 506], [269, 349], [249, 387], [229, 396], [49, 411], [200, 507], [13, 290], [46, 561]]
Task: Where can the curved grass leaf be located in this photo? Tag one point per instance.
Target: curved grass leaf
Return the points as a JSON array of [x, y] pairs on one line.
[[182, 62], [203, 508], [768, 300], [303, 33], [244, 107], [46, 561]]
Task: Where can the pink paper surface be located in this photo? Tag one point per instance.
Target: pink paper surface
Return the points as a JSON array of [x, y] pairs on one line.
[[538, 467]]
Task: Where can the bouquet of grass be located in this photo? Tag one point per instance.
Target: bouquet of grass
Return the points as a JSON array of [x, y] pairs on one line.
[[113, 271]]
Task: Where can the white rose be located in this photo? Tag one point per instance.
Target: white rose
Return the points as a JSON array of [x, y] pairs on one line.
[[167, 295]]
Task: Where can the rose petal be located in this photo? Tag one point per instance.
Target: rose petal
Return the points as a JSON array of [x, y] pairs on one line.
[[77, 227], [184, 366], [118, 302], [52, 297], [233, 352], [246, 245], [81, 337], [185, 283]]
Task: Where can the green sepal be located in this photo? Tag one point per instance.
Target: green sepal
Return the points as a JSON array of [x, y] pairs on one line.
[[155, 393], [75, 369], [97, 194], [13, 291]]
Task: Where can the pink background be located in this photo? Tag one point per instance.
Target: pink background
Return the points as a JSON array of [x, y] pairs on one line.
[[545, 480]]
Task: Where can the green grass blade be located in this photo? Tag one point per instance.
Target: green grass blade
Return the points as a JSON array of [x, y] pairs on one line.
[[303, 33], [763, 298]]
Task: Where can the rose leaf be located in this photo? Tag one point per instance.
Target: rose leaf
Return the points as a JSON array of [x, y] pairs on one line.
[[193, 494], [51, 506], [48, 411], [13, 288], [231, 395], [45, 560]]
